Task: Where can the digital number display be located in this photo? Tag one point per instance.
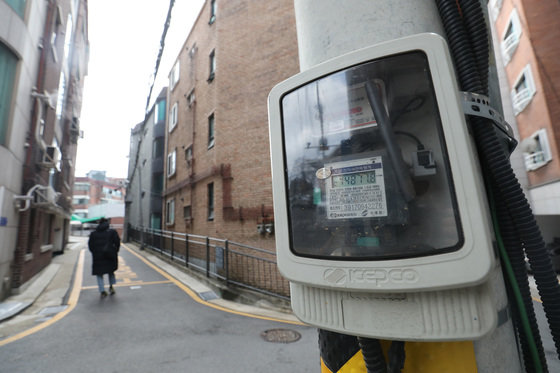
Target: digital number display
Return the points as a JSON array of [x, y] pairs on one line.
[[355, 179]]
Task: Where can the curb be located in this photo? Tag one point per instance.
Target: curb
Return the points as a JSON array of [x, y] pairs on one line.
[[206, 295]]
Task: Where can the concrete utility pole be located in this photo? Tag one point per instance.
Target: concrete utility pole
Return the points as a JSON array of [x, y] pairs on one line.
[[330, 28]]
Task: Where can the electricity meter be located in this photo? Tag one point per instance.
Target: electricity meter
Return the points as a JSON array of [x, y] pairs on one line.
[[380, 211]]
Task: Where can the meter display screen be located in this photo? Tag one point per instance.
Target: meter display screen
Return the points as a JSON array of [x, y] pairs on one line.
[[357, 179], [366, 169], [356, 189]]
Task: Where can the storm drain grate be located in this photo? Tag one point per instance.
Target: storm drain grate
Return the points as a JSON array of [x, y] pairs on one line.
[[280, 335]]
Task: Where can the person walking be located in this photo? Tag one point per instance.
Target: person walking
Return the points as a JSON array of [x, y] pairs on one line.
[[104, 244]]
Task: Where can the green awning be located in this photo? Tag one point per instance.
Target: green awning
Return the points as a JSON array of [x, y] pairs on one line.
[[85, 220]]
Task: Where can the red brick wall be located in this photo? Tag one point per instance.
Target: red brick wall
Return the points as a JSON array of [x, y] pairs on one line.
[[537, 47], [255, 47], [543, 23]]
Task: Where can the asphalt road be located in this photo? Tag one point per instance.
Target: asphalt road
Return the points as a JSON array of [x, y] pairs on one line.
[[152, 325]]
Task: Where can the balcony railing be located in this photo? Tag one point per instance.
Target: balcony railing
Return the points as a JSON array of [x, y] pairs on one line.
[[535, 160], [521, 99]]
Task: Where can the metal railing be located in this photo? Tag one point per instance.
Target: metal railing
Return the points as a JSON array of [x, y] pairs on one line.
[[234, 263]]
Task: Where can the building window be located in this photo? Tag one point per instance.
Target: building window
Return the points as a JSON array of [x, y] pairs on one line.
[[174, 76], [211, 201], [211, 122], [81, 187], [187, 212], [8, 65], [189, 155], [157, 148], [68, 39], [173, 117], [18, 6], [171, 163], [536, 150], [155, 221], [170, 212], [160, 112], [190, 98], [61, 95], [212, 65], [523, 90], [212, 12], [510, 39]]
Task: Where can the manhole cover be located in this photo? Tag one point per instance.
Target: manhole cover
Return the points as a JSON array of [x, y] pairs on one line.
[[280, 335]]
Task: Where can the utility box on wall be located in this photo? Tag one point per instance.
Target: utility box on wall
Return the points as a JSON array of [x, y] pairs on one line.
[[381, 220]]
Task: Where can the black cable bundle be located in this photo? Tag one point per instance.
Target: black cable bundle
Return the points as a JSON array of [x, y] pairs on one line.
[[468, 39]]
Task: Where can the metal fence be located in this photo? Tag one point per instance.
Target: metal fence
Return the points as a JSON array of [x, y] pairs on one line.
[[234, 263]]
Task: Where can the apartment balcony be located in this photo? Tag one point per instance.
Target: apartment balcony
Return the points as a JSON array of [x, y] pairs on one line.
[[521, 99], [509, 45], [535, 160]]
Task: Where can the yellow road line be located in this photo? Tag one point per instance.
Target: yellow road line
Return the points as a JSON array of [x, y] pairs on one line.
[[196, 298], [131, 284], [72, 302]]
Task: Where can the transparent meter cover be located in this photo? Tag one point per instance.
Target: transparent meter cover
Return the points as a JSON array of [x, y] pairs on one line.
[[367, 175]]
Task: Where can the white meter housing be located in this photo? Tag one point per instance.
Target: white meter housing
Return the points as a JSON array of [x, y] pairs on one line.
[[381, 217]]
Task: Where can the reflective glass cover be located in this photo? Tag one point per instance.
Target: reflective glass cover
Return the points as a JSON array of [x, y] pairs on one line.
[[367, 175]]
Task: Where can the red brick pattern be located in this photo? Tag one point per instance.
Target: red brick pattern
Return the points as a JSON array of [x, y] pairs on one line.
[[255, 46]]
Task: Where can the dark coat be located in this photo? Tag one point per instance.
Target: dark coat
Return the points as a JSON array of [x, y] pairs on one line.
[[103, 263]]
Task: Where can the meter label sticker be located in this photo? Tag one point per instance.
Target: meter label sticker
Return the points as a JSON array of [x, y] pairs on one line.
[[348, 112], [356, 189]]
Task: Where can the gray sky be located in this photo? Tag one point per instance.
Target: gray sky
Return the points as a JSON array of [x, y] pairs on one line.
[[124, 38]]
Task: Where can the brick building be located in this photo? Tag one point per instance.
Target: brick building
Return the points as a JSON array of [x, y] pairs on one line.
[[527, 32], [218, 178], [43, 62], [97, 195]]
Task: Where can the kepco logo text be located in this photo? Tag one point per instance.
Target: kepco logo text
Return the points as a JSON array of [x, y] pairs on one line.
[[376, 277]]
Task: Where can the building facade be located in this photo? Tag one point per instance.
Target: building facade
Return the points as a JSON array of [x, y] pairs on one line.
[[96, 196], [146, 167], [527, 32], [43, 62], [217, 177]]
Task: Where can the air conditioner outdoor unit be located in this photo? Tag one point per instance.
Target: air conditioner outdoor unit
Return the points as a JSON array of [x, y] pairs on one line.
[[50, 157]]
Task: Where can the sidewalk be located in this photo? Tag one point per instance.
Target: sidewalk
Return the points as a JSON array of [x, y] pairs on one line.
[[46, 294]]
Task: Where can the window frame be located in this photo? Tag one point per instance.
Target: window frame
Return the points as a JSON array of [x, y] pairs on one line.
[[187, 208], [521, 98], [170, 211], [173, 117], [213, 8], [191, 98], [9, 70], [159, 111], [509, 43], [537, 159], [210, 201], [175, 75], [189, 155], [211, 131], [172, 163], [212, 65]]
